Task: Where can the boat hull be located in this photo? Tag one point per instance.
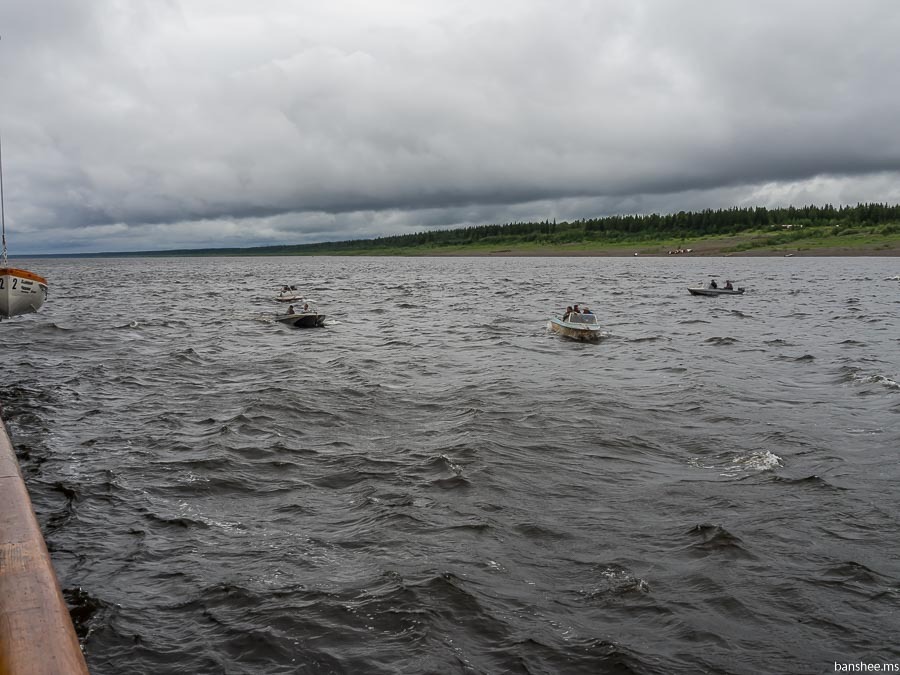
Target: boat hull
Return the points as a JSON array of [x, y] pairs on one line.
[[572, 331], [302, 320], [21, 292], [712, 292]]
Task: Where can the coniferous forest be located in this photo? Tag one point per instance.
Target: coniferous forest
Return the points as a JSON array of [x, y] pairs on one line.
[[773, 226], [877, 218]]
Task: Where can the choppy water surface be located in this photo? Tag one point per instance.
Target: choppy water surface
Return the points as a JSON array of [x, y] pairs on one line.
[[435, 484]]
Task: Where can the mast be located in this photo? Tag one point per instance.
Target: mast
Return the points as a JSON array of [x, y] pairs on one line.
[[3, 262]]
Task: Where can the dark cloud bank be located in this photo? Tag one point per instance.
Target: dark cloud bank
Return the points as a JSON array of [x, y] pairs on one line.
[[140, 126]]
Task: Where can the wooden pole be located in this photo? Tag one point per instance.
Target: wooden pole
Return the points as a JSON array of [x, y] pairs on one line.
[[36, 632]]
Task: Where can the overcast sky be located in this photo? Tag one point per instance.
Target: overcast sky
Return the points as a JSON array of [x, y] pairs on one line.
[[134, 125]]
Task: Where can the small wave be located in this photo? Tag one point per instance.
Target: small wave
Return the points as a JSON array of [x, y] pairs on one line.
[[62, 516], [716, 539], [51, 327], [449, 592], [538, 532], [398, 343], [188, 355], [341, 479], [721, 341], [852, 571], [595, 655], [86, 610], [687, 322], [852, 375], [177, 521], [804, 358], [808, 481], [615, 581], [391, 500], [451, 483], [754, 462], [650, 338], [886, 381], [442, 463]]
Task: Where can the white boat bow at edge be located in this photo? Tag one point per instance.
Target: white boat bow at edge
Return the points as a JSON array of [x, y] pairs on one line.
[[21, 291]]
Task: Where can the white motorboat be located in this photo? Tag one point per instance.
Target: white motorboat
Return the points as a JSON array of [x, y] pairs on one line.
[[289, 294], [21, 291], [583, 327], [716, 291]]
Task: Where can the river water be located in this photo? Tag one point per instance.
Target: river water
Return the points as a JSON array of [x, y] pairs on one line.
[[434, 483]]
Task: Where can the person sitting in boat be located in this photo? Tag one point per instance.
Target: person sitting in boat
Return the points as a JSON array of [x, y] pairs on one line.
[[728, 286], [566, 313], [291, 310], [713, 284], [586, 311], [575, 310], [306, 307]]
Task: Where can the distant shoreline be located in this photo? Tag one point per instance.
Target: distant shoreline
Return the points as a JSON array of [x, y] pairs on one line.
[[531, 253], [822, 253], [728, 246], [705, 248], [861, 230]]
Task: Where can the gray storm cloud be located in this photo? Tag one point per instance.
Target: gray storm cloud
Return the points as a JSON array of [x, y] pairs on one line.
[[146, 125]]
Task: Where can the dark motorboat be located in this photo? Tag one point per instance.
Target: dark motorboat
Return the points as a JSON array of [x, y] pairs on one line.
[[713, 289], [307, 319]]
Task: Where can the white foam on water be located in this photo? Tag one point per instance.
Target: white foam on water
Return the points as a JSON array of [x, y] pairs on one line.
[[755, 462], [876, 379]]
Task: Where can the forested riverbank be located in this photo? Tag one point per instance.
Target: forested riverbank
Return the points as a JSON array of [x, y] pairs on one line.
[[865, 229]]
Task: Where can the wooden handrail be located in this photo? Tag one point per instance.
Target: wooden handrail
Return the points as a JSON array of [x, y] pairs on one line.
[[36, 632]]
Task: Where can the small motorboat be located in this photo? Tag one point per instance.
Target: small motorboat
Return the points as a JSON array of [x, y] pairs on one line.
[[716, 291], [576, 326], [289, 294], [307, 318]]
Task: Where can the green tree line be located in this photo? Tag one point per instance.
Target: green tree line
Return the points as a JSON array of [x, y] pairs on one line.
[[875, 218], [684, 224]]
